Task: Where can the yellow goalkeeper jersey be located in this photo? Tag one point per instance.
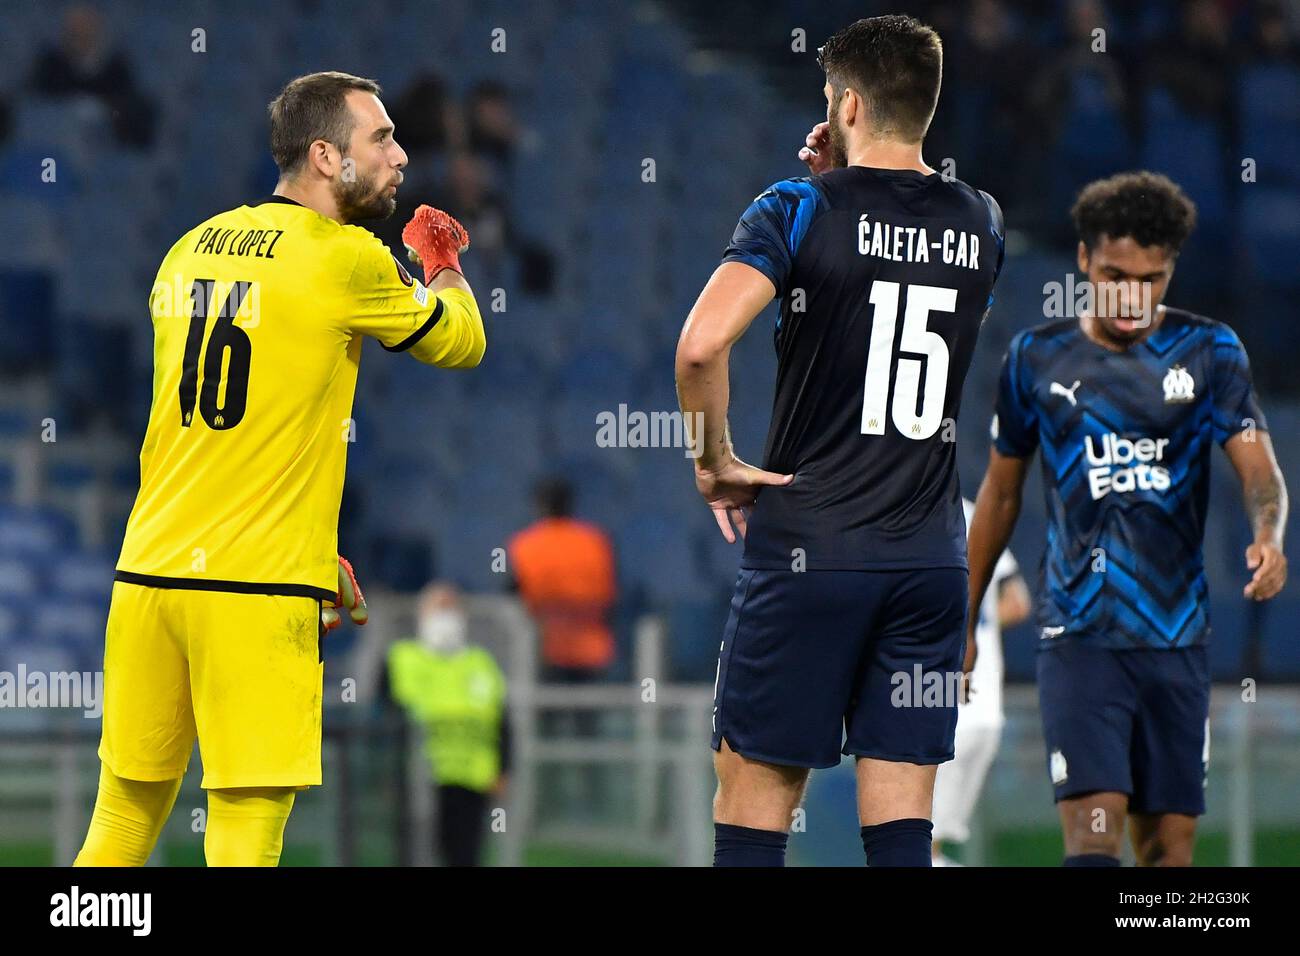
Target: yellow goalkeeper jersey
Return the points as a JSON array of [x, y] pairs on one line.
[[258, 316]]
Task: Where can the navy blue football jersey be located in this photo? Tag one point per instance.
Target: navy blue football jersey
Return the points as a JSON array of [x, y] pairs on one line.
[[885, 276], [1126, 439]]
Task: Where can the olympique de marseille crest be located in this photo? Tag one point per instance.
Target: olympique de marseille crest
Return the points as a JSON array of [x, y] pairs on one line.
[[1179, 386]]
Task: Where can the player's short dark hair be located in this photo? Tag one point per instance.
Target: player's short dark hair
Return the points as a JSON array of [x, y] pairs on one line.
[[309, 108], [554, 497], [1146, 206], [896, 64]]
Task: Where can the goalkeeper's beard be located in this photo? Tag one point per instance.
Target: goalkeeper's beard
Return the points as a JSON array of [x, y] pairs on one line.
[[360, 199]]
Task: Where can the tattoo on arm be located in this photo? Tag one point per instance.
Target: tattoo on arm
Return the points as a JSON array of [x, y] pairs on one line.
[[1266, 505]]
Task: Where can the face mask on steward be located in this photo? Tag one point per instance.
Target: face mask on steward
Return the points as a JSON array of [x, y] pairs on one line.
[[443, 631]]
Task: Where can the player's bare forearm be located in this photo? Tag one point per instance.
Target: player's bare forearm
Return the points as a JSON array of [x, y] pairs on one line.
[[703, 394], [733, 296], [1262, 486], [997, 506], [1264, 493], [1266, 503], [731, 299]]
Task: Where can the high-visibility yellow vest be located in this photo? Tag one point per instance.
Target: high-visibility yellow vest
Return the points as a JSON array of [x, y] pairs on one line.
[[459, 699]]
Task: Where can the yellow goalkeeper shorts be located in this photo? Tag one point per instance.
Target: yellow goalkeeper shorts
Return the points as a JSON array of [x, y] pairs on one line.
[[241, 672]]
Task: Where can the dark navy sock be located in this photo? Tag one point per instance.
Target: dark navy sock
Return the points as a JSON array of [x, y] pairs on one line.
[[745, 846], [898, 843], [1091, 859]]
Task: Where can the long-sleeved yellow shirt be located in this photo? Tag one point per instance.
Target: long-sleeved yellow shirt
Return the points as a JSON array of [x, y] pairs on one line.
[[259, 314]]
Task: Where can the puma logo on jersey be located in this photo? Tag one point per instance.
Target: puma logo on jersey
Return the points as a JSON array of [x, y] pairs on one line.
[[1059, 389], [1051, 632], [1179, 386]]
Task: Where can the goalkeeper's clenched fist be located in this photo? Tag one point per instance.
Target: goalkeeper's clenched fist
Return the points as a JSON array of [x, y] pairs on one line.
[[349, 596], [435, 240]]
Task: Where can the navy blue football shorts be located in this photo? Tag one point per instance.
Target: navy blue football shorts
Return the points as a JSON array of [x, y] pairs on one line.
[[815, 664], [1127, 721]]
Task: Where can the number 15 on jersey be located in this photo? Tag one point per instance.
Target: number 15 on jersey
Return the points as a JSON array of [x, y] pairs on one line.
[[921, 345]]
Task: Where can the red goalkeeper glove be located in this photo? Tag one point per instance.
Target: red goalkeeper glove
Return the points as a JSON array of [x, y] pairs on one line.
[[434, 240], [349, 596]]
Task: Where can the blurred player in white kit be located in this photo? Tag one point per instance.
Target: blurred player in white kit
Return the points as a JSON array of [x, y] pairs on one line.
[[958, 782]]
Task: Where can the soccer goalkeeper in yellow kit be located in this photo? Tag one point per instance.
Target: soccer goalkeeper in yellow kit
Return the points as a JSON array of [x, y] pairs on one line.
[[231, 553]]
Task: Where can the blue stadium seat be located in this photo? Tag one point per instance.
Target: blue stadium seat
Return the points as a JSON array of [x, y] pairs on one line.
[[1280, 652], [26, 304], [410, 499], [83, 575], [18, 580], [1269, 107], [62, 128], [1093, 141], [1270, 234], [70, 622], [13, 620], [1189, 150], [33, 532], [660, 558], [25, 171], [465, 551], [33, 236], [37, 658]]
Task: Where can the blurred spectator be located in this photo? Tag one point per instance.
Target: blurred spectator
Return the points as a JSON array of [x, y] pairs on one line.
[[493, 131], [564, 570], [426, 118], [1052, 93], [481, 147], [479, 207], [464, 192], [1272, 37], [84, 63], [989, 64], [1197, 65], [468, 194], [457, 693]]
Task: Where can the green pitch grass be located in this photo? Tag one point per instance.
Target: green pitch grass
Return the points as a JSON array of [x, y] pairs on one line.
[[1275, 847]]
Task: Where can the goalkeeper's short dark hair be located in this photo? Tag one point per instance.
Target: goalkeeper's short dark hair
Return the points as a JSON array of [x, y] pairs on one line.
[[895, 63], [309, 108], [1148, 207]]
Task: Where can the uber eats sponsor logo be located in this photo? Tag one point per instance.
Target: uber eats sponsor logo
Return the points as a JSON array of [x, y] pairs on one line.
[[130, 910], [1125, 464]]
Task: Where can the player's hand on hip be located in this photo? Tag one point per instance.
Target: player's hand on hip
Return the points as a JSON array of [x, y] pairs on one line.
[[816, 153], [731, 489], [1268, 562]]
